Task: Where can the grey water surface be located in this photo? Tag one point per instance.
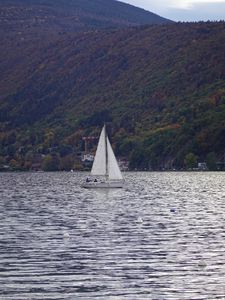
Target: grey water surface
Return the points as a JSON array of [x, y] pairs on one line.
[[162, 237]]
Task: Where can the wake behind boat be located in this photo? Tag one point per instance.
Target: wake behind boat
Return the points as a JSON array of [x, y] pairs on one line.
[[105, 166]]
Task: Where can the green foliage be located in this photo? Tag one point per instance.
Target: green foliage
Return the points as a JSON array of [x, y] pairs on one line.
[[51, 163], [138, 159], [190, 161], [67, 163], [211, 161], [65, 150], [96, 119], [160, 88]]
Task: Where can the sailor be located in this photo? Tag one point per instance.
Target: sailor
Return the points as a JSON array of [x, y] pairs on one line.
[[87, 179], [95, 180]]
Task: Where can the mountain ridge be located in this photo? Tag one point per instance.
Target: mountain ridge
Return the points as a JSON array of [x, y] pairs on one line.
[[39, 16], [160, 88]]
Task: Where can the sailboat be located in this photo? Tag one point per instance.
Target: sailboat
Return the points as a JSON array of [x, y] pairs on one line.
[[105, 172]]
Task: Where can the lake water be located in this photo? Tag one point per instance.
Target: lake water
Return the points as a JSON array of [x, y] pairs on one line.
[[160, 238]]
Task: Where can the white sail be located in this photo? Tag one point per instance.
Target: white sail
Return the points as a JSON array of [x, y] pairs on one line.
[[113, 168], [105, 164], [99, 165]]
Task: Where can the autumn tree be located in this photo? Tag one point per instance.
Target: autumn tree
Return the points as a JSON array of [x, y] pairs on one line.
[[211, 161], [190, 161], [50, 163]]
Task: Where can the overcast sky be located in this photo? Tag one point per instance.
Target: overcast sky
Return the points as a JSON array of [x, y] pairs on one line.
[[184, 10]]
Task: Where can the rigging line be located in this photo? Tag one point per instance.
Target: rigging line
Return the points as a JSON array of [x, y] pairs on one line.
[[106, 153]]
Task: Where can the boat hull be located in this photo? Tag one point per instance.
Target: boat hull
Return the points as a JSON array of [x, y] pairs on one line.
[[107, 185]]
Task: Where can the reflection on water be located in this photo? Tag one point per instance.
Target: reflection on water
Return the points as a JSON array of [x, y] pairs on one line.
[[160, 238]]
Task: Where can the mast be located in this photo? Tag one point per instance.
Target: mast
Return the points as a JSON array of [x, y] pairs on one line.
[[106, 155]]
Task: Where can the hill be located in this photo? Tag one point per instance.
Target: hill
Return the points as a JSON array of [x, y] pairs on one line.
[[41, 17], [161, 89]]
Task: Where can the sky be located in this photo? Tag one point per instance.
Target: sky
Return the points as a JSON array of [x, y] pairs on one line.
[[184, 10]]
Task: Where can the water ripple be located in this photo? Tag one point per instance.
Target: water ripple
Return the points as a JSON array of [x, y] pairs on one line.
[[160, 238]]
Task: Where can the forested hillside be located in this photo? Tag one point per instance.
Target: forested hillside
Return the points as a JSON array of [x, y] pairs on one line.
[[160, 88], [41, 17]]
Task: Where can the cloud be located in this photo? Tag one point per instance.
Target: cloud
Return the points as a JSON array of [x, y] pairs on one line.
[[184, 10], [189, 4], [198, 11]]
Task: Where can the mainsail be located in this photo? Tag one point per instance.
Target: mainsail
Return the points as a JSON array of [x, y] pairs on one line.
[[105, 162], [99, 165]]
